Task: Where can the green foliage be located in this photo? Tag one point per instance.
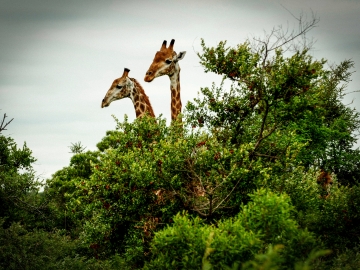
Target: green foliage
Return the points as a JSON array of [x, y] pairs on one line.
[[348, 260], [61, 187], [189, 236], [153, 173], [266, 220], [268, 261], [334, 218], [23, 249], [274, 98], [280, 123], [263, 175], [19, 200], [77, 148], [337, 218]]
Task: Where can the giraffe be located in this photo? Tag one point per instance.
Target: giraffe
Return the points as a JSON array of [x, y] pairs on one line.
[[129, 87], [166, 63]]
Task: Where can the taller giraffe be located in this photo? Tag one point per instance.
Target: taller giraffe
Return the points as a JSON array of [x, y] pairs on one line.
[[166, 63], [129, 87]]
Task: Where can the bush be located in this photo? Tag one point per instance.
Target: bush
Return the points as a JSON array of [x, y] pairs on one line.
[[22, 249], [264, 222]]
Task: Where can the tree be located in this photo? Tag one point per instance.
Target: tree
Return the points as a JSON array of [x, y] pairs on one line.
[[279, 96], [244, 167], [18, 184]]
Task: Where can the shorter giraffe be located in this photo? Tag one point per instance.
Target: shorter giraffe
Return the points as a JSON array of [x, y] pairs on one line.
[[166, 62], [129, 87]]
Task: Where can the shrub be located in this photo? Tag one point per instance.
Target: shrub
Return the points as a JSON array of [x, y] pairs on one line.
[[264, 222]]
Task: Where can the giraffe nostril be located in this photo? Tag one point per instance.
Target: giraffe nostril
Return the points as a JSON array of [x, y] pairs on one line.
[[103, 100], [149, 73]]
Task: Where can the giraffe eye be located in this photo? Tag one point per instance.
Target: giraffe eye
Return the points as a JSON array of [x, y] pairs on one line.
[[119, 86], [167, 61]]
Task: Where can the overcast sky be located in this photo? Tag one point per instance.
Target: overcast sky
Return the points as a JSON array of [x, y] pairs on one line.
[[58, 58]]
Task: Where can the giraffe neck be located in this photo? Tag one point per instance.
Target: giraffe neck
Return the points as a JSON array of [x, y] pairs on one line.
[[140, 100], [175, 94]]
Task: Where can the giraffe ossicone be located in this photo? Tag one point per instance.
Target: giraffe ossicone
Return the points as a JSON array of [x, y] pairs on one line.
[[166, 62], [125, 87]]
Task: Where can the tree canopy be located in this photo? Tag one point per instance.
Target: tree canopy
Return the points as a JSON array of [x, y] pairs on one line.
[[259, 175]]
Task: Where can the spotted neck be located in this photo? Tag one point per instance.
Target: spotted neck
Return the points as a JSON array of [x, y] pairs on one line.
[[175, 94], [140, 100]]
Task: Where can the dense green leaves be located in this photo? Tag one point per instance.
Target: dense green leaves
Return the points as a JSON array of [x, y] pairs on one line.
[[263, 222], [274, 97], [18, 185], [262, 174]]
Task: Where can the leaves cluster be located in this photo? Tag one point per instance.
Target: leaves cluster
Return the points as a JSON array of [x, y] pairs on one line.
[[276, 101], [17, 181], [152, 173], [264, 222]]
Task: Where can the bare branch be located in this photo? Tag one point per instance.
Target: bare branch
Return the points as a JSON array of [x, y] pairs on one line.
[[280, 37], [195, 174], [228, 195], [2, 126], [356, 91], [260, 138]]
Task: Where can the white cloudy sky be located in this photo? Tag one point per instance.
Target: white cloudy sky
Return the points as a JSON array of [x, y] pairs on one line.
[[58, 58]]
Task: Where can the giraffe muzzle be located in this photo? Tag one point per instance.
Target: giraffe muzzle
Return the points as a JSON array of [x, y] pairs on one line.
[[149, 76], [104, 104]]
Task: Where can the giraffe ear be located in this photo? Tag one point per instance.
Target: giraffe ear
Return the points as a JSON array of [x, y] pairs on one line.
[[180, 55]]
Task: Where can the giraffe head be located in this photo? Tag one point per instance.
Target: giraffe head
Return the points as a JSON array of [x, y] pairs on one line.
[[165, 62], [119, 89]]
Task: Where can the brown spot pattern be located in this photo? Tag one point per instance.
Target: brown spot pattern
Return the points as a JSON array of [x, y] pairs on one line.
[[158, 64], [142, 104]]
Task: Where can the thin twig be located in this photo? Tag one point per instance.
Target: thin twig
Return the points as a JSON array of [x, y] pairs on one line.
[[2, 127]]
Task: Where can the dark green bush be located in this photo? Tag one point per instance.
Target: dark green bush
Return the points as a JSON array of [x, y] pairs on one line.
[[264, 222]]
